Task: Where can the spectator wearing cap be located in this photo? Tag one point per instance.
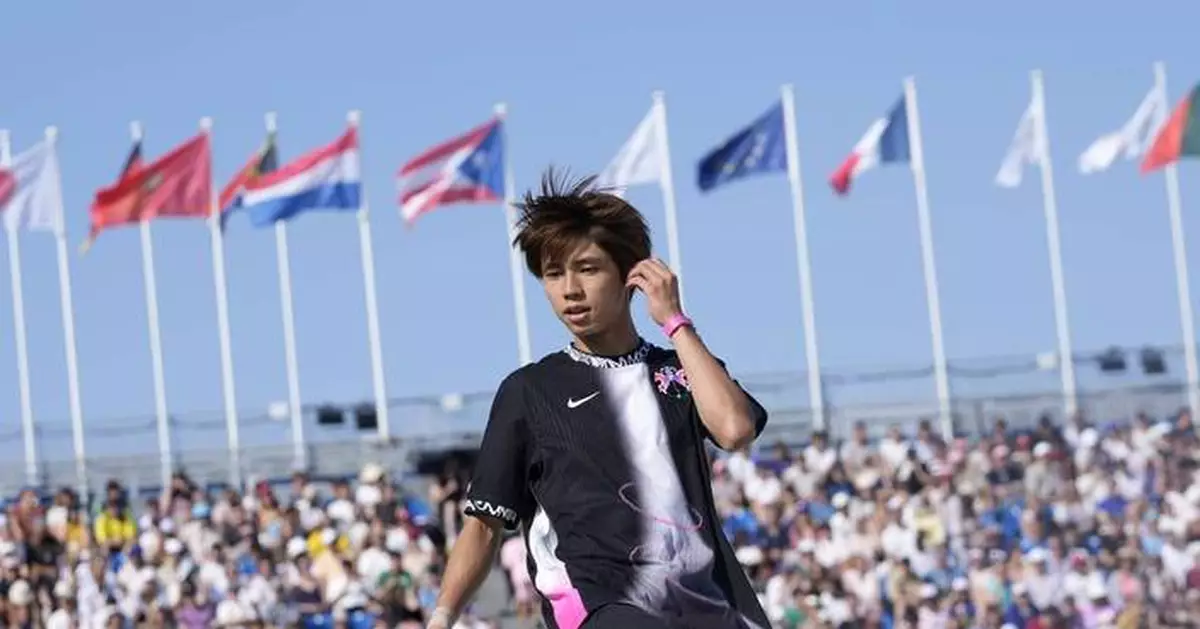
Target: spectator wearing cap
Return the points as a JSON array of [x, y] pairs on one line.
[[66, 615], [19, 612]]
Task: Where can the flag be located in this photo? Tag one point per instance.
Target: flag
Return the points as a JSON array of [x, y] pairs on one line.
[[30, 194], [178, 184], [326, 178], [639, 160], [885, 142], [1131, 140], [1025, 148], [264, 161], [1179, 137], [465, 169], [758, 148]]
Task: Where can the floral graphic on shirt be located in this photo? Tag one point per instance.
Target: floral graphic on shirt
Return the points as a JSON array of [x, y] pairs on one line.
[[671, 381]]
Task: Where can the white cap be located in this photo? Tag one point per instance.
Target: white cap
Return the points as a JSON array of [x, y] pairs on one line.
[[63, 589], [1042, 449], [296, 547], [20, 593], [371, 473]]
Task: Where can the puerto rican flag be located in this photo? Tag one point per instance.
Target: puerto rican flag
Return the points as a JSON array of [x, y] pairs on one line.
[[465, 169], [885, 142]]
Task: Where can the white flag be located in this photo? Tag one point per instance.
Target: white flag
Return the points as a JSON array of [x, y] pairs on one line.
[[30, 197], [1025, 149], [1131, 140], [639, 160]]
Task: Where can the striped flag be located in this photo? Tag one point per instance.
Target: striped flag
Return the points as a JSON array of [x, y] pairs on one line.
[[465, 169]]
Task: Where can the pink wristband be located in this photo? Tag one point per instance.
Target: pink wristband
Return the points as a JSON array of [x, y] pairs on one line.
[[674, 323]]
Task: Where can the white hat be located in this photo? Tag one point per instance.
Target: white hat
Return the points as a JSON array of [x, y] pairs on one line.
[[840, 500], [20, 593], [64, 589], [296, 547], [1042, 449], [371, 473]]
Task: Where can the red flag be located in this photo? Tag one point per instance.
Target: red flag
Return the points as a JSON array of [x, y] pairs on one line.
[[178, 184], [8, 185]]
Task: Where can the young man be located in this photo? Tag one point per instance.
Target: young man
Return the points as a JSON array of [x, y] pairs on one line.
[[598, 450]]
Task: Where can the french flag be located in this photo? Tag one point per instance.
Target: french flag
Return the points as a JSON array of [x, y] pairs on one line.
[[328, 178], [465, 169], [885, 142]]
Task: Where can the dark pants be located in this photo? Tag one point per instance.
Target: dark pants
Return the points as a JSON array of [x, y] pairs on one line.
[[619, 616]]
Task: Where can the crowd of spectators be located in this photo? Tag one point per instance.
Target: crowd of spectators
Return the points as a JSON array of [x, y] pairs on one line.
[[1083, 527], [347, 554], [1075, 527]]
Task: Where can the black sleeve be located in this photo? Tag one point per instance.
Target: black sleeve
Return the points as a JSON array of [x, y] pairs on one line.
[[499, 487], [757, 412]]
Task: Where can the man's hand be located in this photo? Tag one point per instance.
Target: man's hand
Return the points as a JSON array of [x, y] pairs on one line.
[[654, 278]]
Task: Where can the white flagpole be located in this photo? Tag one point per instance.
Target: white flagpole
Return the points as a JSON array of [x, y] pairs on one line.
[[1049, 203], [667, 183], [816, 393], [18, 306], [379, 383], [524, 352], [68, 321], [932, 294], [299, 453], [156, 358], [221, 291], [1182, 284]]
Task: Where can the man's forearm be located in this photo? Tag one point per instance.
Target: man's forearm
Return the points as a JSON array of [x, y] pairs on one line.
[[469, 564], [722, 404]]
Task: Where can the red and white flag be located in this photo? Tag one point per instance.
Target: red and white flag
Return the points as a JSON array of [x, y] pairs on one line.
[[30, 194]]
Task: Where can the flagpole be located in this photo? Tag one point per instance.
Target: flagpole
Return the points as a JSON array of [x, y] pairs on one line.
[[221, 290], [816, 393], [667, 183], [299, 453], [1050, 205], [514, 255], [378, 382], [156, 358], [68, 321], [1182, 283], [22, 341], [932, 293]]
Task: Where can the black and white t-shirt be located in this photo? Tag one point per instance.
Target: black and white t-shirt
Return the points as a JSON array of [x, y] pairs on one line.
[[602, 460]]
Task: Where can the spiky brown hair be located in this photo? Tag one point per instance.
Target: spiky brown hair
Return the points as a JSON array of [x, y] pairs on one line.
[[564, 211]]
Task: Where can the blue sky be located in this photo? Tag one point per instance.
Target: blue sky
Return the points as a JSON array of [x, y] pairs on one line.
[[578, 78]]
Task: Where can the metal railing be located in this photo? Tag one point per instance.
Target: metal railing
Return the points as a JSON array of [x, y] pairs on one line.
[[433, 424]]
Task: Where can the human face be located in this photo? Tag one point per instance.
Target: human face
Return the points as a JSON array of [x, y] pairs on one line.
[[586, 290]]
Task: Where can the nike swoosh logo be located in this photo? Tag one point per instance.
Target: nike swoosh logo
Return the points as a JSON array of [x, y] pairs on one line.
[[573, 403]]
